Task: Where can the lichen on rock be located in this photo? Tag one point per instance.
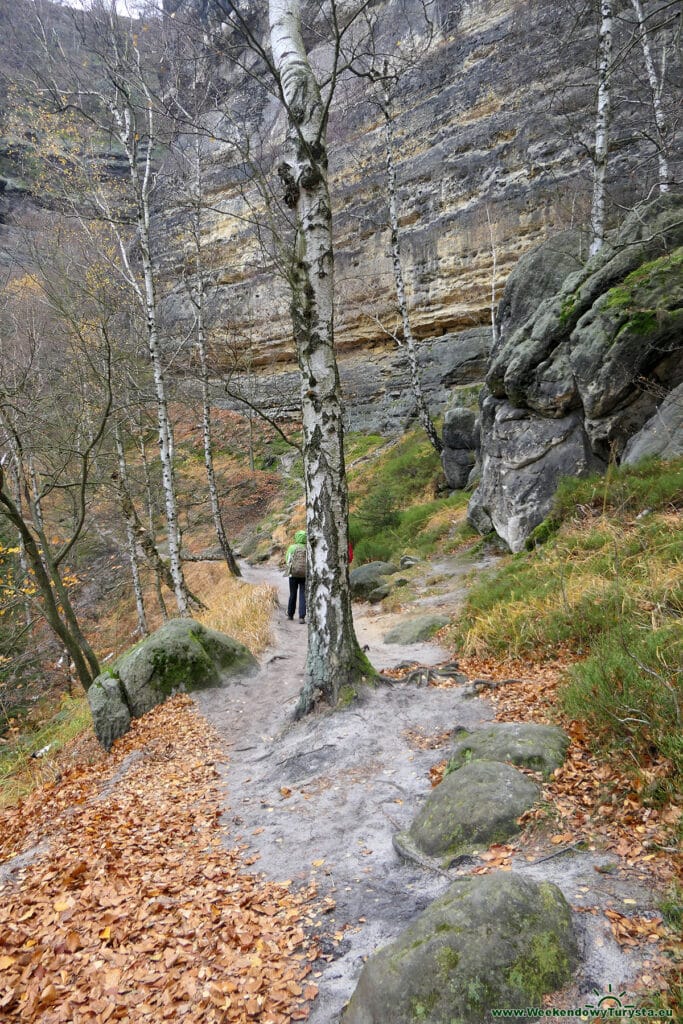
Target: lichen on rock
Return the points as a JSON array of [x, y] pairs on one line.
[[529, 744]]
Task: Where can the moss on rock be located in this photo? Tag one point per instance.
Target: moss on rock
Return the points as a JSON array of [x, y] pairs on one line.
[[472, 808], [180, 657], [497, 940], [528, 744]]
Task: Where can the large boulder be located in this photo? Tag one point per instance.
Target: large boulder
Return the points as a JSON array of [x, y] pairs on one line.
[[497, 940], [368, 578], [568, 387], [182, 656], [523, 458], [473, 807], [541, 747]]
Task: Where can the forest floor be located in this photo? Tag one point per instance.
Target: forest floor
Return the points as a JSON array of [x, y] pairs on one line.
[[229, 865]]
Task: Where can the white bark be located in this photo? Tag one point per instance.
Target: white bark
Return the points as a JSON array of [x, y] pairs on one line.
[[495, 331], [164, 424], [208, 449], [601, 152], [197, 296], [334, 657], [130, 132], [656, 91], [415, 382], [131, 543], [149, 501]]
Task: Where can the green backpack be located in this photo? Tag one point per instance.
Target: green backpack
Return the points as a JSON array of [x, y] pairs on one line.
[[297, 563]]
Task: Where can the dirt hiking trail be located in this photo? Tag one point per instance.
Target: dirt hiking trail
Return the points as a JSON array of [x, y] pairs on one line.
[[323, 797]]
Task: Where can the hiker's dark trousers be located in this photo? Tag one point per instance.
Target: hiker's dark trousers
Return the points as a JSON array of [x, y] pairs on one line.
[[297, 583]]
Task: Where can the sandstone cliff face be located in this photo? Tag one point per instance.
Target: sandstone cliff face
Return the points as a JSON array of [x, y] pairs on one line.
[[487, 168]]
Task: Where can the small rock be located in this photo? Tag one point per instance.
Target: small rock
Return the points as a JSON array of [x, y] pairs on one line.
[[415, 630]]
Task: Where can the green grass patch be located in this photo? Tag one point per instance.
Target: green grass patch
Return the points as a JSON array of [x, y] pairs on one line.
[[394, 511], [604, 581], [357, 446], [630, 690], [18, 766]]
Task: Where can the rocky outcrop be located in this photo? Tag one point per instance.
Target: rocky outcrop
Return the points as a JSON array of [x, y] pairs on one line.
[[180, 657], [569, 386], [486, 170], [496, 940], [662, 435], [375, 382], [475, 806]]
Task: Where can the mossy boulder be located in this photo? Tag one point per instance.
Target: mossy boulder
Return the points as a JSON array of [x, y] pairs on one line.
[[180, 657], [473, 807], [370, 577], [497, 940], [415, 630], [541, 747]]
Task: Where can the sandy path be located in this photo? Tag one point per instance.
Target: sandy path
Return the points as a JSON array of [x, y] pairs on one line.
[[322, 798]]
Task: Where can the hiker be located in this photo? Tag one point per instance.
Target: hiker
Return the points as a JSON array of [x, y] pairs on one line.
[[295, 559]]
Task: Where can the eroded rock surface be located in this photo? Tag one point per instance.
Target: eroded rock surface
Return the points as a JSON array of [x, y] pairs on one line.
[[569, 386], [460, 442], [496, 940]]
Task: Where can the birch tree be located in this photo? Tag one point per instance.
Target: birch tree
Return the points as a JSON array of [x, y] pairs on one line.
[[423, 413], [131, 540], [334, 657], [111, 93], [191, 183], [656, 85], [602, 118]]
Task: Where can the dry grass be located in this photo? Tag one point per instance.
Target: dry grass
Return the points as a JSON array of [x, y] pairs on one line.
[[597, 567], [240, 609]]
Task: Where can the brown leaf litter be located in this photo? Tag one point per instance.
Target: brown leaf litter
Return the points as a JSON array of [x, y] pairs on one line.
[[138, 911]]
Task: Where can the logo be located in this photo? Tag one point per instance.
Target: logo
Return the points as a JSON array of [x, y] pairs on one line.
[[609, 1000]]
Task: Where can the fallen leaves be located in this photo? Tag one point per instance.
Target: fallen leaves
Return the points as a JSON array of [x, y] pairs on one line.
[[137, 912], [630, 931]]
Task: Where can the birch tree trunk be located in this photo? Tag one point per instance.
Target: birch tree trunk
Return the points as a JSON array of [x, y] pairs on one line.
[[334, 656], [601, 151], [415, 382], [208, 446], [656, 90], [149, 499], [164, 423], [198, 300], [130, 542]]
